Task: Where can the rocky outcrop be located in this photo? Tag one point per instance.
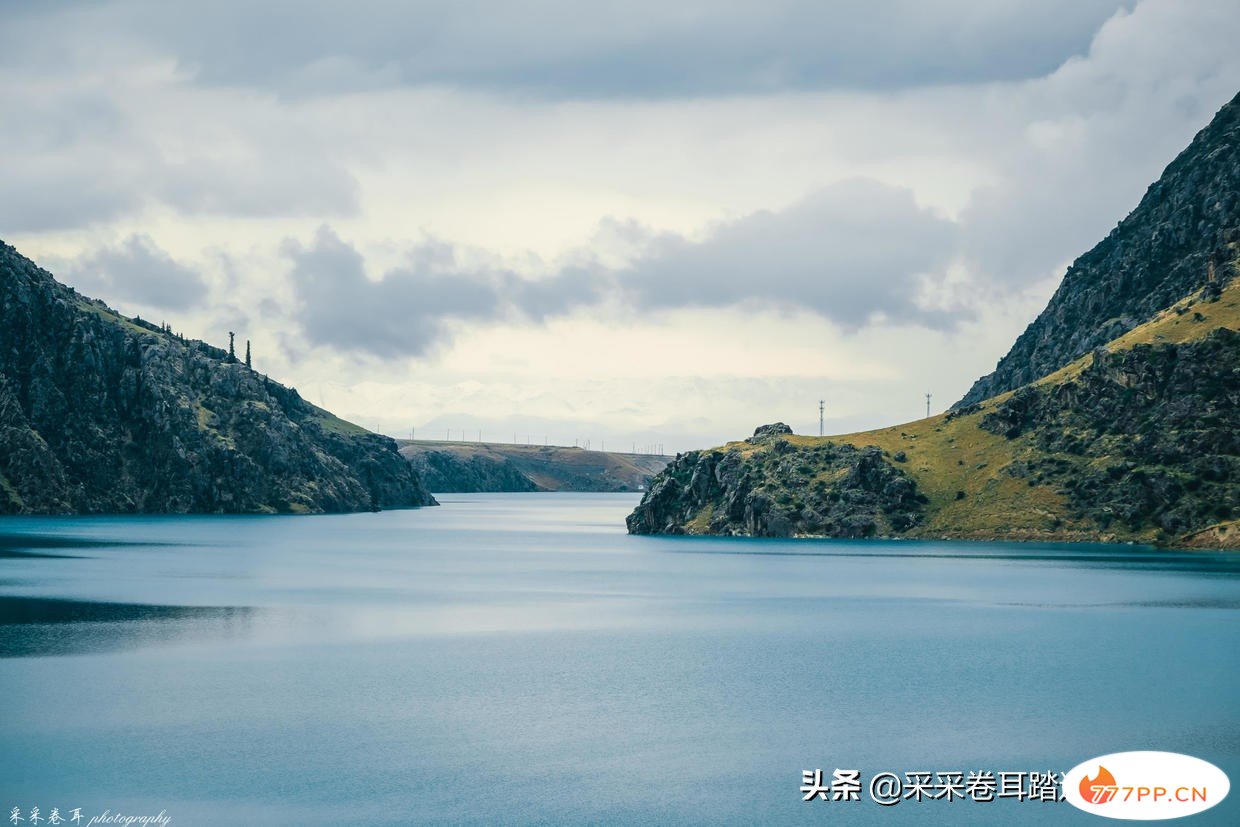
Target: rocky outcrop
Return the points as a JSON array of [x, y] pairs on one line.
[[766, 433], [1181, 237], [780, 490], [100, 414]]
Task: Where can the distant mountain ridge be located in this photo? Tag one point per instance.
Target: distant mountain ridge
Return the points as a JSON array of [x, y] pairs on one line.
[[452, 467], [103, 414], [1186, 227]]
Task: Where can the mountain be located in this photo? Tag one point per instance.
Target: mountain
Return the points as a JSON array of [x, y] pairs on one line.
[[449, 467], [1187, 223], [1116, 416], [104, 414]]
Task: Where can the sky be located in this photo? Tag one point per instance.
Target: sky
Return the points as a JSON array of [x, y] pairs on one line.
[[633, 224]]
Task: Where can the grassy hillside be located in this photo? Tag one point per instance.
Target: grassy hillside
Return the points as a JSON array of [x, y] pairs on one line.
[[949, 455], [483, 466], [977, 475]]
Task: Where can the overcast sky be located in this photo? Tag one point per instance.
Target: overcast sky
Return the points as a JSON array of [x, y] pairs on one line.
[[628, 222]]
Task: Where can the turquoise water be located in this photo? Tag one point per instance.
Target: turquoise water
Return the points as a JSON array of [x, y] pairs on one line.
[[519, 659]]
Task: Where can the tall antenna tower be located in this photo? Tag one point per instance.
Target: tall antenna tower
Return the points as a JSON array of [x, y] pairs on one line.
[[927, 406], [822, 417]]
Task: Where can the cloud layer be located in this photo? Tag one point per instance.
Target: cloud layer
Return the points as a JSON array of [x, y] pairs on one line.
[[638, 48], [853, 253], [523, 204], [412, 307]]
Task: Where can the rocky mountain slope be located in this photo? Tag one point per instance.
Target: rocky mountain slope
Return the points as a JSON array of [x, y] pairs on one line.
[[99, 414], [484, 466], [1166, 248], [1114, 418]]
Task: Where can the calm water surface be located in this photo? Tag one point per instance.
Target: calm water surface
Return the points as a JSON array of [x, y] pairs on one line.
[[519, 659]]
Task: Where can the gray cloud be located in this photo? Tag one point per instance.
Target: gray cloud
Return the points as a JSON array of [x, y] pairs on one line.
[[77, 151], [638, 48], [89, 181], [59, 153], [267, 183], [136, 270], [1095, 135], [33, 201], [410, 309], [85, 187], [851, 251]]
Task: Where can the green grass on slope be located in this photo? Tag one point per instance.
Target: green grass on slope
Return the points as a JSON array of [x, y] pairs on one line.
[[963, 470], [328, 421]]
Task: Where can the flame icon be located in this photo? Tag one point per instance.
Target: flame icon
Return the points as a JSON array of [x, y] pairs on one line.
[[1100, 789]]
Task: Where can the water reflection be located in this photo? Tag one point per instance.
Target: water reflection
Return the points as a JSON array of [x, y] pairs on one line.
[[22, 544], [40, 626]]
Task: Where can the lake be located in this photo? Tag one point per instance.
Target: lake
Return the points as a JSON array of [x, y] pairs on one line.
[[519, 659]]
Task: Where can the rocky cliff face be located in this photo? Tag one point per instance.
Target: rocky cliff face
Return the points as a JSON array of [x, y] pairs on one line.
[[99, 413], [776, 489], [1183, 234]]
